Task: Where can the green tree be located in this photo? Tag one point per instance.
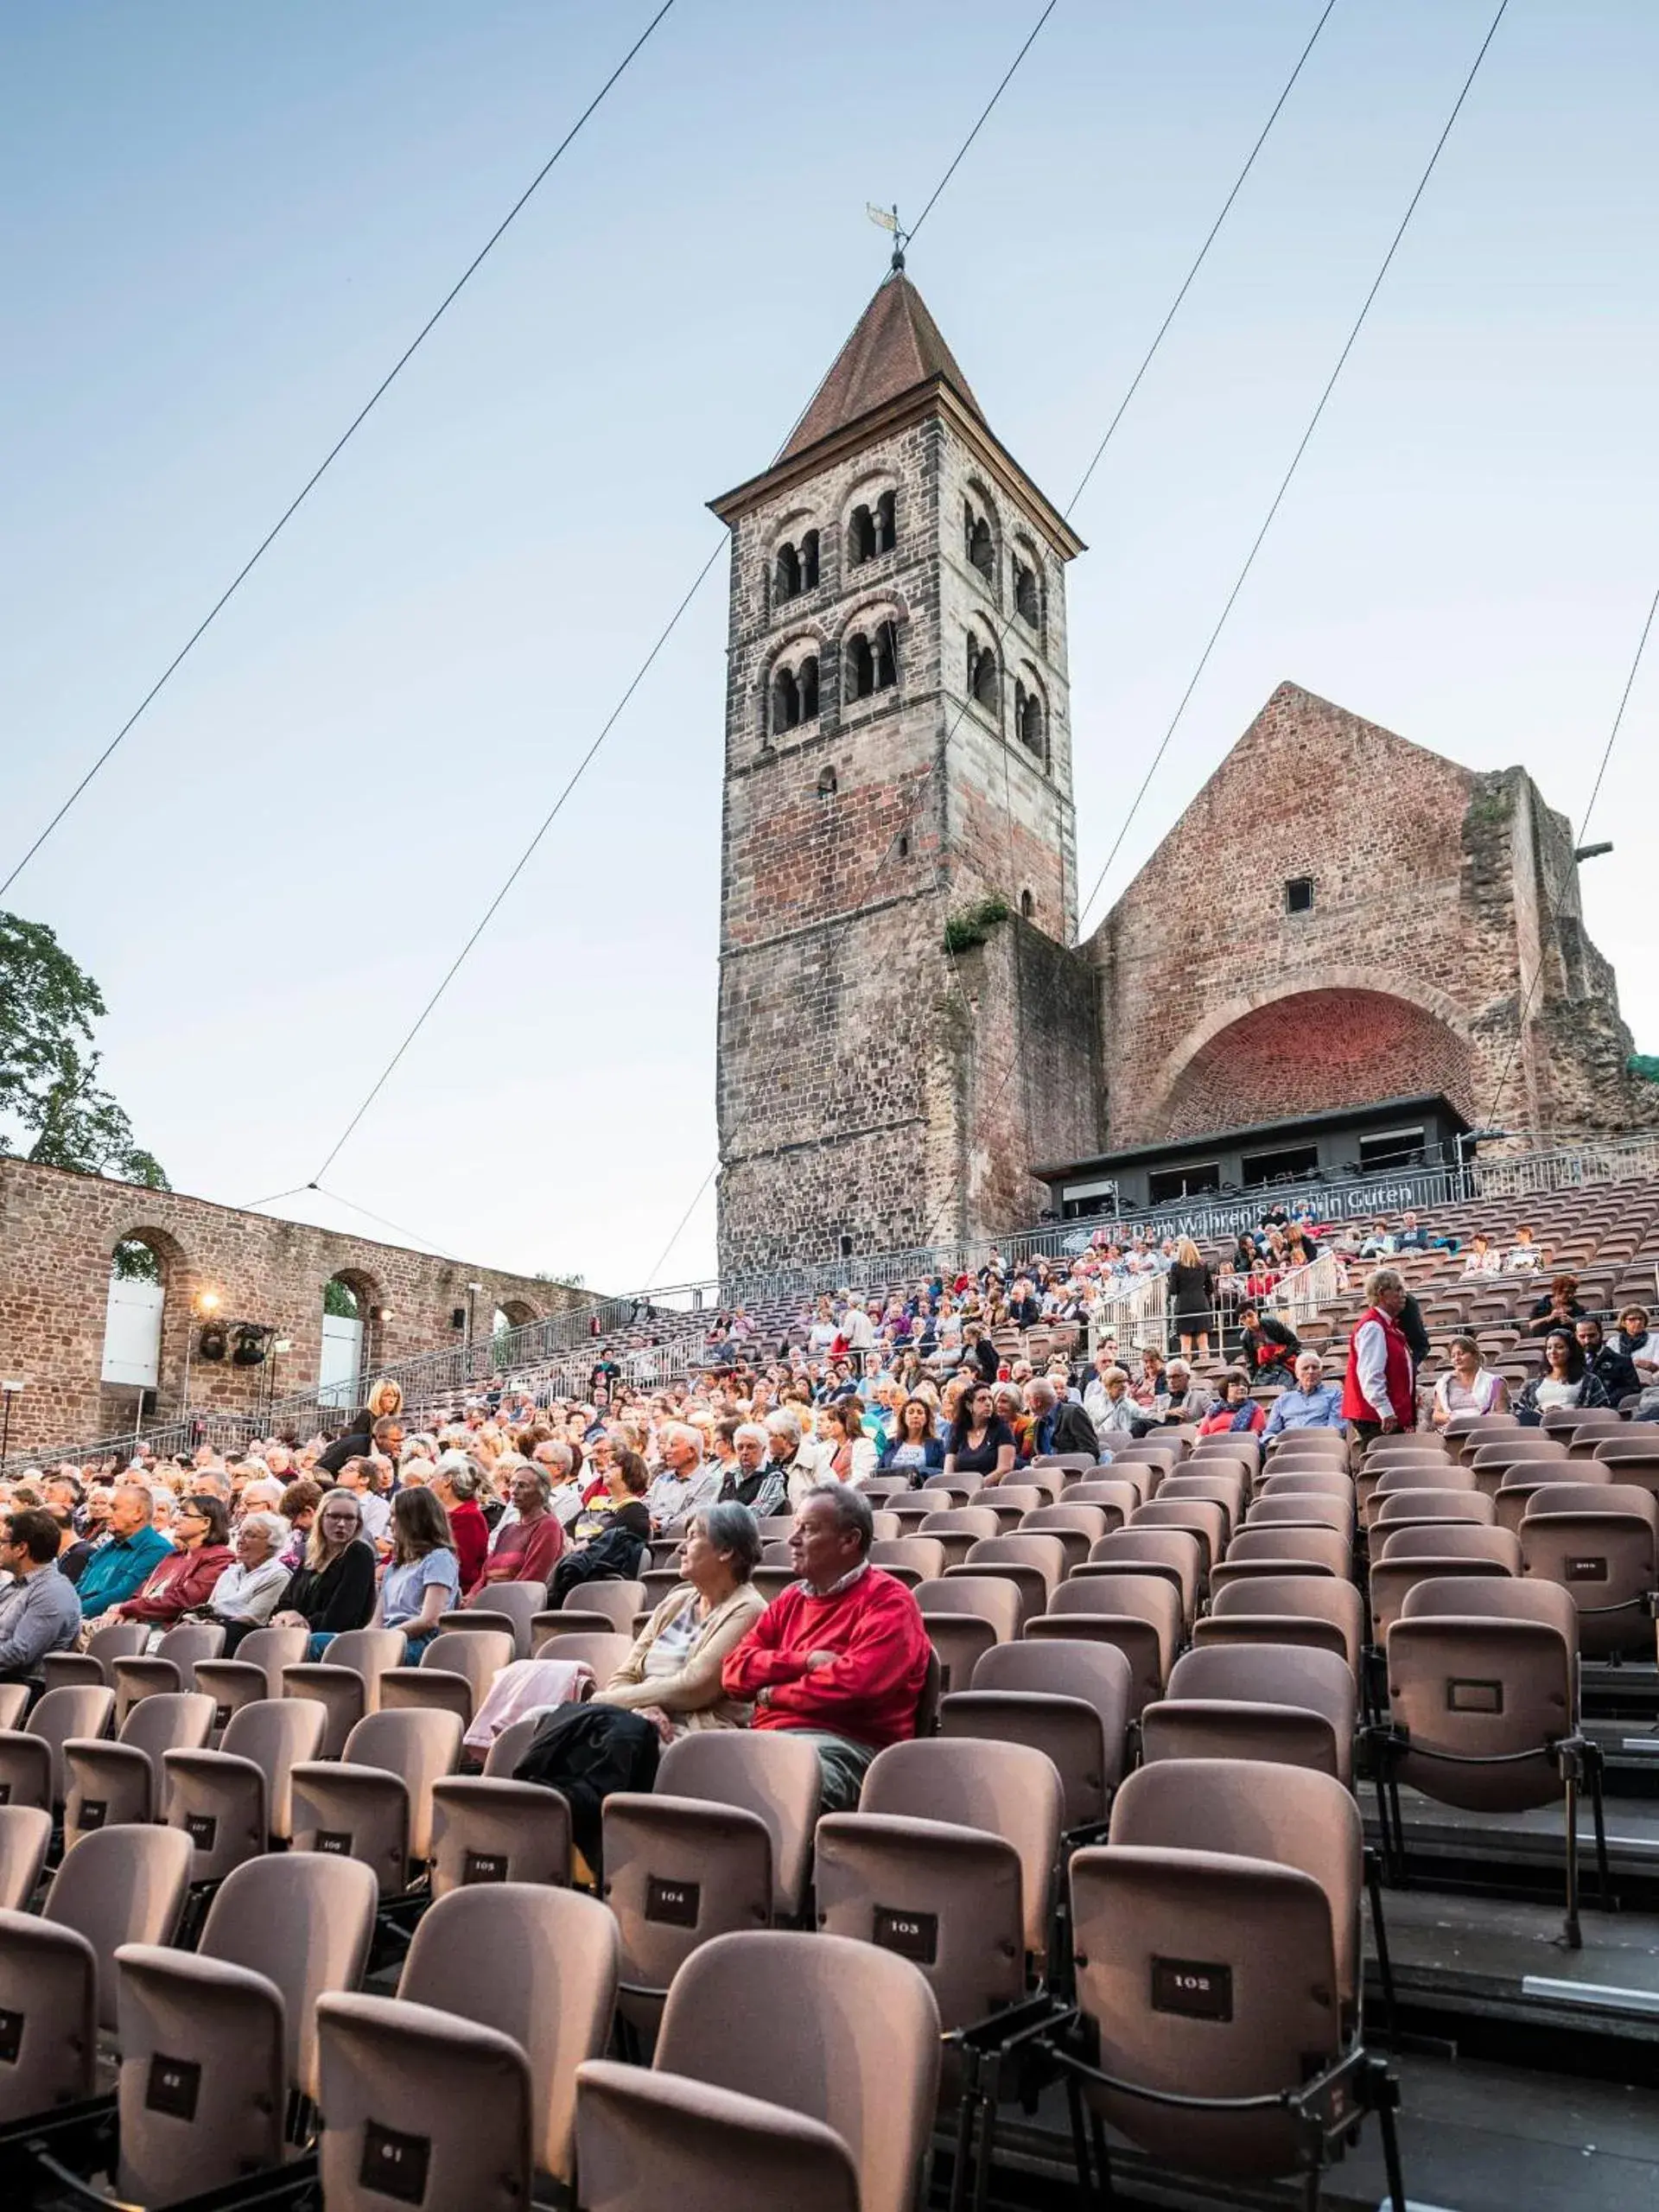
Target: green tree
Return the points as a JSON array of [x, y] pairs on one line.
[[52, 1107]]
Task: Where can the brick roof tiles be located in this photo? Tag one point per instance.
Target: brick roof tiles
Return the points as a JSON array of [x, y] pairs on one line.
[[895, 345]]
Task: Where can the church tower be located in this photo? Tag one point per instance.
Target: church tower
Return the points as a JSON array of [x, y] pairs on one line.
[[898, 760]]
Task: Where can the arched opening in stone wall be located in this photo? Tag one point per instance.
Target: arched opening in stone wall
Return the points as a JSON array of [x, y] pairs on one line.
[[350, 1338], [1311, 1051], [135, 1309]]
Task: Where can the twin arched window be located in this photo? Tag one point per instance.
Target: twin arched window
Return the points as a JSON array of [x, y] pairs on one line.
[[795, 695], [797, 568], [872, 530], [871, 661]]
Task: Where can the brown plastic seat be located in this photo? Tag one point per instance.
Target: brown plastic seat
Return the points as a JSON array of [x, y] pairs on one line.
[[32, 1768], [1483, 1692], [618, 1601], [1391, 1580], [491, 1829], [1139, 1614], [1515, 1491], [1205, 1519], [474, 1657], [1068, 1462], [272, 1649], [914, 1559], [1317, 1610], [340, 1691], [1046, 1553], [1322, 1549], [1175, 1554], [109, 1784], [69, 1670], [536, 1964], [169, 1668], [767, 1771], [958, 1527], [439, 2108], [957, 1837], [959, 1642], [232, 1684], [1425, 1474], [1116, 1497], [1009, 1502], [1227, 1488], [1600, 1542], [376, 1803], [604, 1653], [25, 1833], [1070, 1518], [520, 1602], [1417, 1507], [952, 1491], [234, 2023], [233, 1801], [1225, 1973], [1303, 1510], [1257, 1702], [988, 1596], [1062, 1696], [1308, 1482], [767, 2080], [57, 1972]]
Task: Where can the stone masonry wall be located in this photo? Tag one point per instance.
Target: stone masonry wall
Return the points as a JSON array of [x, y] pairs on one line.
[[1432, 927], [57, 1233]]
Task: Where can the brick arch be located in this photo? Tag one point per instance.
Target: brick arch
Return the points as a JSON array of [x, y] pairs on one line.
[[166, 1247], [520, 1310], [1340, 1044]]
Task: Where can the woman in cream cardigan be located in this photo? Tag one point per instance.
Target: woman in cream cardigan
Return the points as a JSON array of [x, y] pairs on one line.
[[672, 1673]]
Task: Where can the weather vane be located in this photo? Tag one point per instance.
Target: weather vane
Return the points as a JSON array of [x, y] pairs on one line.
[[886, 219]]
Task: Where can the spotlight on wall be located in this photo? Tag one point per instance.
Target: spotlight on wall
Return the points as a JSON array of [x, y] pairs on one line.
[[382, 1313], [208, 1302], [1590, 852]]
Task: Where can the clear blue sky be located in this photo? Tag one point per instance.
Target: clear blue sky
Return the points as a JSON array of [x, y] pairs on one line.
[[220, 226]]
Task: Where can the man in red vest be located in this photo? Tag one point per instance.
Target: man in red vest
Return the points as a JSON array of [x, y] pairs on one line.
[[1378, 1393]]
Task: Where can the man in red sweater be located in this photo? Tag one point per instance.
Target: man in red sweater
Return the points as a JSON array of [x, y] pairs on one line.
[[841, 1656]]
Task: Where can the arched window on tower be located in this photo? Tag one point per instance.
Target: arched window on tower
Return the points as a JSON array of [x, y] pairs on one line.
[[809, 561], [1030, 723], [871, 661], [809, 681], [860, 537], [983, 686], [786, 701], [887, 522], [1028, 595], [786, 577], [979, 545], [1027, 904]]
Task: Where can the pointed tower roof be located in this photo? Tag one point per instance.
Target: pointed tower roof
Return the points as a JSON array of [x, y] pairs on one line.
[[895, 345]]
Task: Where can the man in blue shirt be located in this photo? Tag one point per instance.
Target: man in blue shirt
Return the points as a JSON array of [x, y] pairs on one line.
[[128, 1555], [40, 1612], [1311, 1404]]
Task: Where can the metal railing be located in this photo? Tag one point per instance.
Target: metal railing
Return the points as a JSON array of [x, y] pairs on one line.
[[579, 1333]]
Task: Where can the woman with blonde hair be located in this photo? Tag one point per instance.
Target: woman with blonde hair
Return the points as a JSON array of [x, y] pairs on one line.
[[386, 1398], [1191, 1298]]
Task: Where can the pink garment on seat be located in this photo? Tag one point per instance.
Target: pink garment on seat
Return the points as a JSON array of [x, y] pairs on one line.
[[522, 1686]]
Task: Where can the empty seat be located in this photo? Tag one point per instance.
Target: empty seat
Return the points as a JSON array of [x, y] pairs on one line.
[[25, 1832], [1257, 1702], [491, 1829], [1267, 1551], [212, 2042], [766, 2073], [958, 1527], [1600, 1542], [421, 2107], [376, 1803], [1174, 1553], [90, 1670], [1116, 1497], [169, 1668], [1303, 1510], [1228, 1973], [520, 1602], [912, 1559], [474, 1657], [1417, 1506], [948, 1860], [1515, 1491], [1317, 1610], [536, 1964], [1138, 1615], [107, 1783], [32, 1768], [1483, 1694], [1200, 1516], [57, 1972], [233, 1801], [604, 1653], [987, 1596], [271, 1649], [1064, 1696]]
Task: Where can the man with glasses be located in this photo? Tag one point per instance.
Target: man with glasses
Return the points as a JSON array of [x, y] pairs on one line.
[[41, 1613]]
